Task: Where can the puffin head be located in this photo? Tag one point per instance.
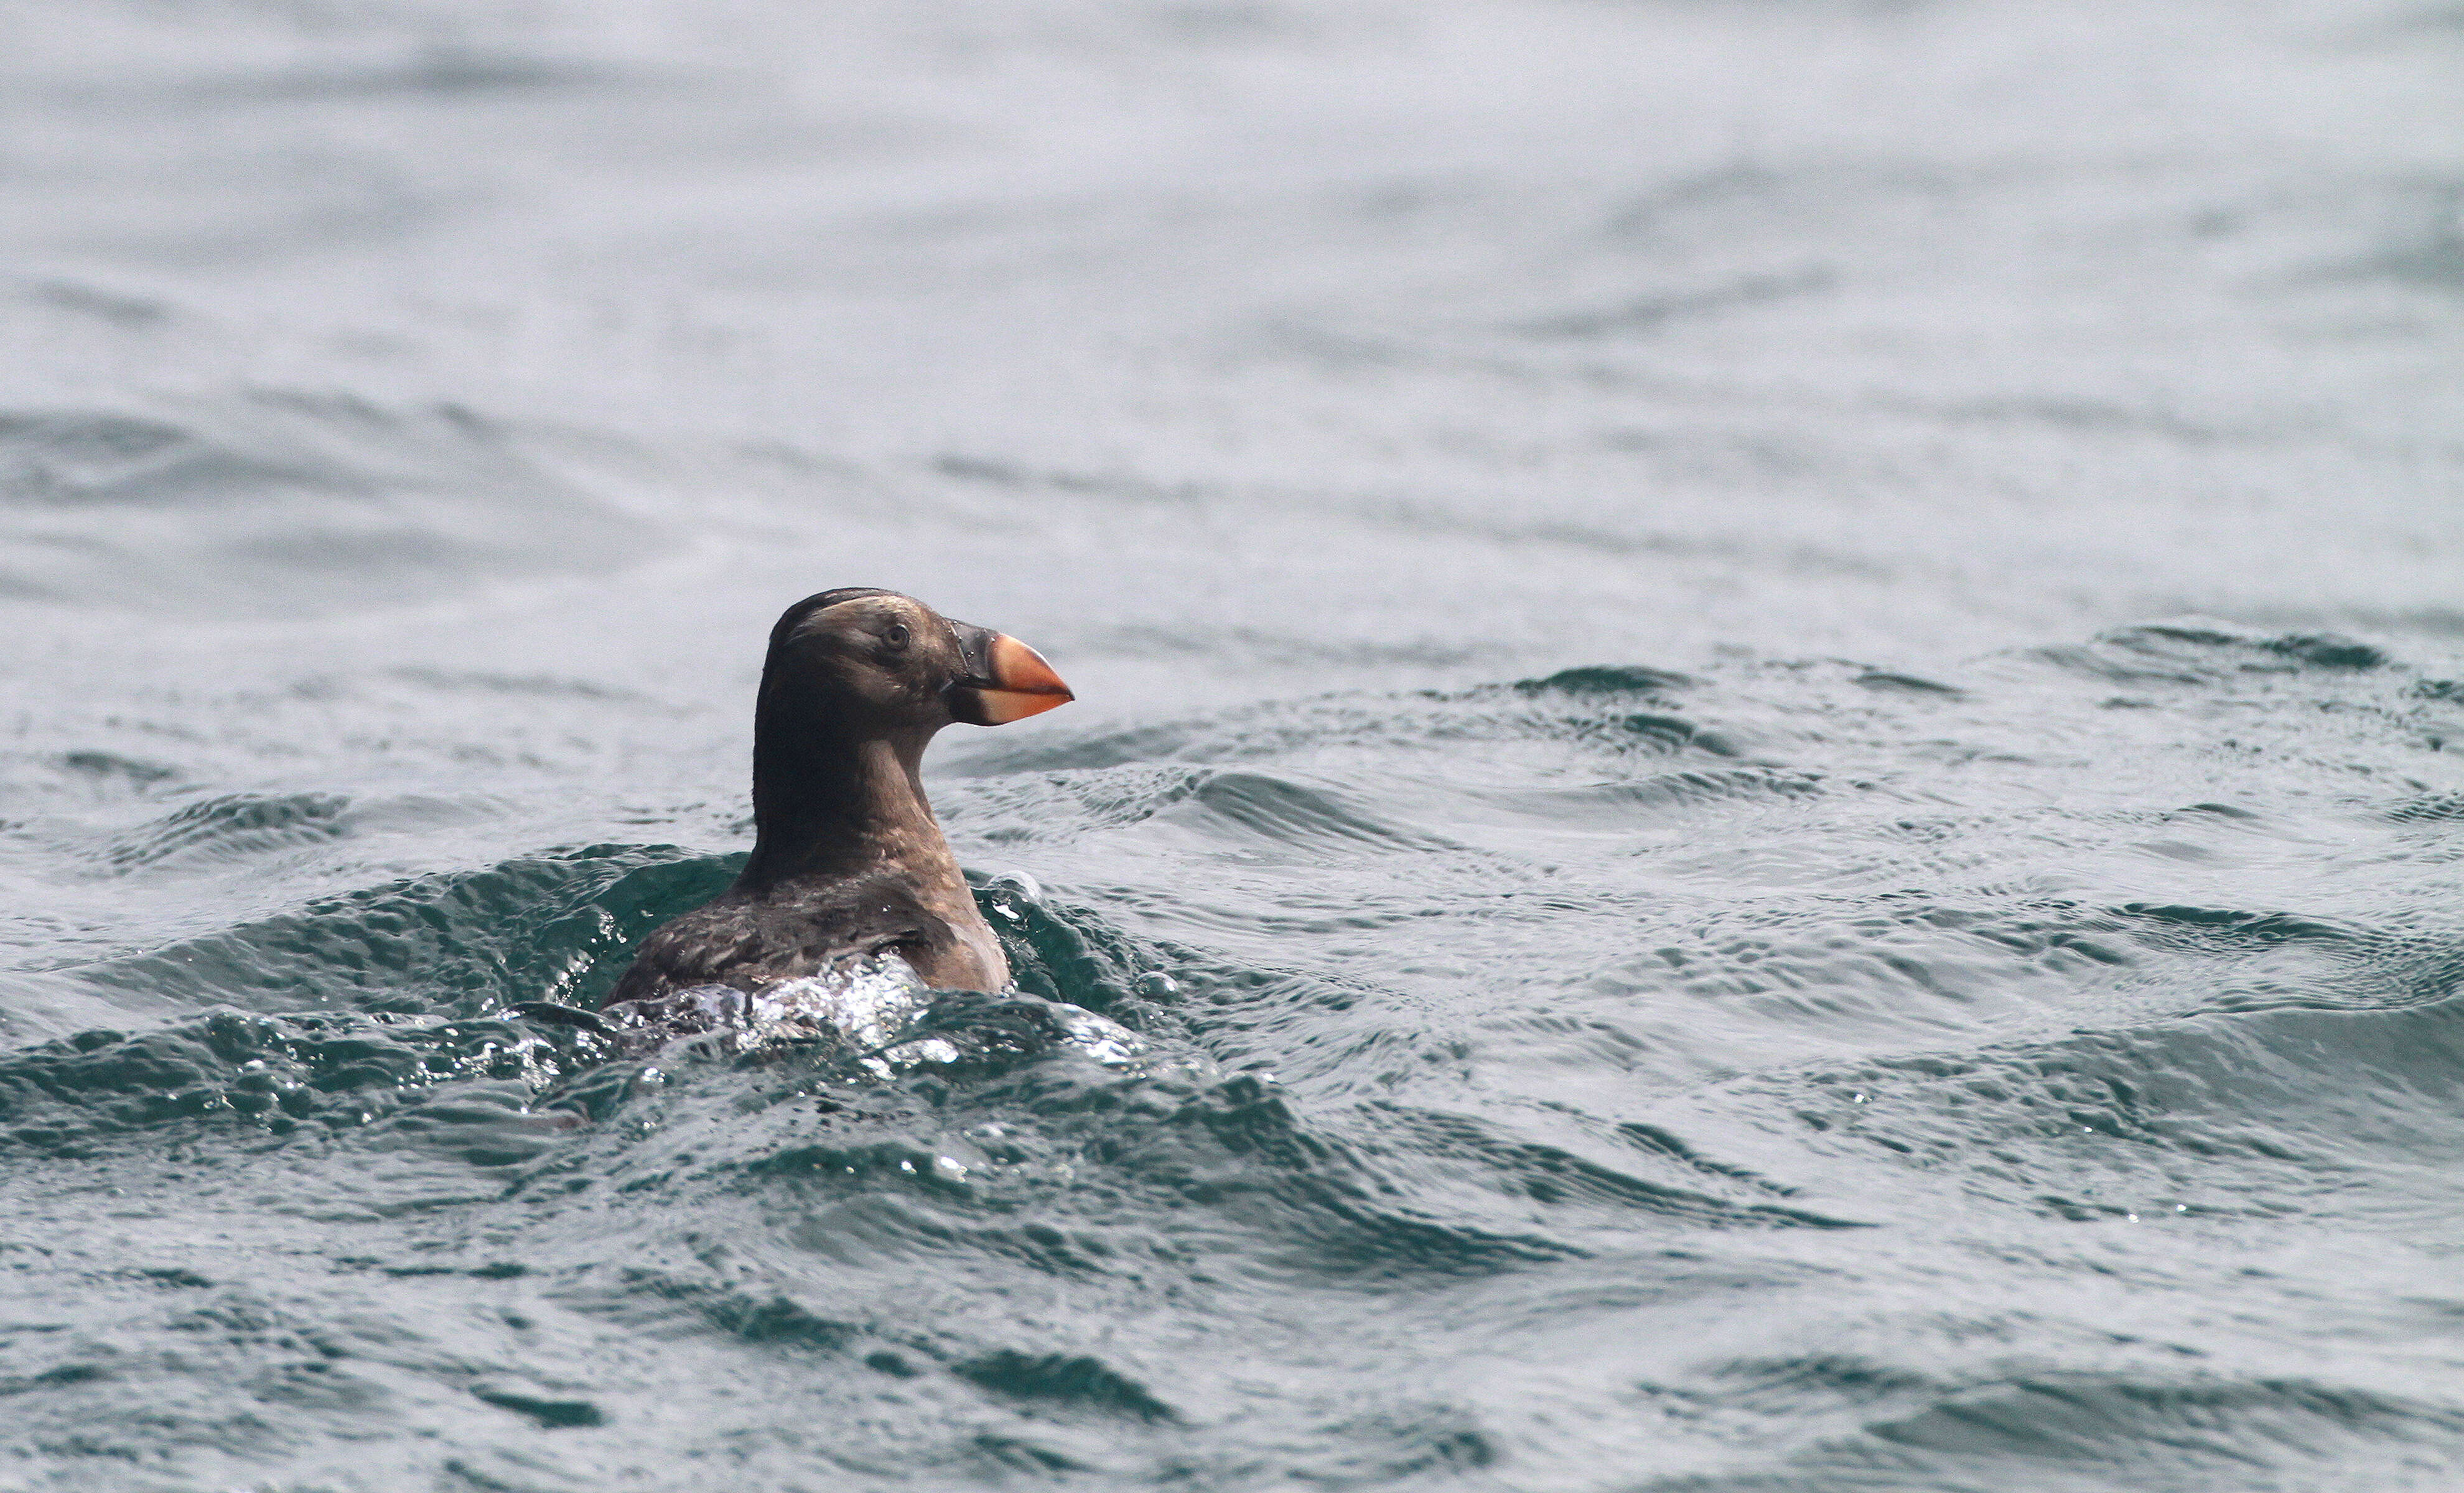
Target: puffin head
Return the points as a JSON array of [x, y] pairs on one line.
[[876, 661]]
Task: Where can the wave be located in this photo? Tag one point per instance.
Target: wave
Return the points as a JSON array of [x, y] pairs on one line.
[[277, 503], [539, 928], [2079, 1430]]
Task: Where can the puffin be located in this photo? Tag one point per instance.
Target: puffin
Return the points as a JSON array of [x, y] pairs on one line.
[[847, 861]]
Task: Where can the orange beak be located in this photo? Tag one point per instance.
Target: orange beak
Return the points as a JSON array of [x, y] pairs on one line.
[[1006, 680]]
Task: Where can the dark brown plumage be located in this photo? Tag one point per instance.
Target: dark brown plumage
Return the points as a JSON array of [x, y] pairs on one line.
[[848, 858]]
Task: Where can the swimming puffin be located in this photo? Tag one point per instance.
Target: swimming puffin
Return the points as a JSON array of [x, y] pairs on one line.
[[848, 860]]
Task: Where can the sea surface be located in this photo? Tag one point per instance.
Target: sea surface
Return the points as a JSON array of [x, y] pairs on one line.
[[1769, 749]]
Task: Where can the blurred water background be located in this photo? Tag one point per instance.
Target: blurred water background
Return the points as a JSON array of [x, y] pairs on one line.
[[1772, 693]]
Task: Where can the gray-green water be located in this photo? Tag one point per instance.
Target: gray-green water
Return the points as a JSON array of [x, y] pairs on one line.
[[1773, 693]]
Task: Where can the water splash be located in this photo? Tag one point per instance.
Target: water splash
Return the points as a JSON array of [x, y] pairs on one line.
[[874, 1012]]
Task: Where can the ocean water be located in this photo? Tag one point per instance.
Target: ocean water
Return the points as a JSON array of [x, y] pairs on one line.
[[1769, 753]]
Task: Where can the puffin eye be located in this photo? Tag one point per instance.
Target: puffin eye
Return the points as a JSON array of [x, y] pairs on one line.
[[895, 634]]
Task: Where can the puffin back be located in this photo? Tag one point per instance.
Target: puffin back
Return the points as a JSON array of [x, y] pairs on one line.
[[752, 940]]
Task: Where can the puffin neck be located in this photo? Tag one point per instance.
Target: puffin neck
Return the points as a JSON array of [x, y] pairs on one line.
[[831, 802]]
